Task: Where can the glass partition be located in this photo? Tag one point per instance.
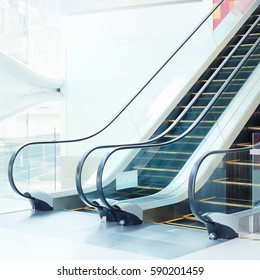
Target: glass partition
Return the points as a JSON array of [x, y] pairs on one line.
[[225, 184], [224, 191], [255, 152], [37, 167]]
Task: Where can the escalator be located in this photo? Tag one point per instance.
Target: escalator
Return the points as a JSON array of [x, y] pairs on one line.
[[158, 167], [230, 192], [155, 171], [154, 168], [39, 176]]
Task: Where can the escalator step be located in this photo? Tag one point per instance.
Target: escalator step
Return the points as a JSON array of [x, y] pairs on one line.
[[155, 169], [222, 101]]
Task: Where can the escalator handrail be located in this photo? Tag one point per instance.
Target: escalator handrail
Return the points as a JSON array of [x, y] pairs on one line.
[[19, 149], [193, 177], [202, 114], [176, 122]]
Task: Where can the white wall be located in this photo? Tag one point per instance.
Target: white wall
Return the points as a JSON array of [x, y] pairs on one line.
[[111, 54]]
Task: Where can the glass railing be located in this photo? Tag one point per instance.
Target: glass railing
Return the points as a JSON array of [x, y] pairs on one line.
[[141, 114], [40, 123], [226, 182], [31, 175]]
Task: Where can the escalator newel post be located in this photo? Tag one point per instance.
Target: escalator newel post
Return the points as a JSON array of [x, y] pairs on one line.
[[119, 216], [220, 231], [38, 204]]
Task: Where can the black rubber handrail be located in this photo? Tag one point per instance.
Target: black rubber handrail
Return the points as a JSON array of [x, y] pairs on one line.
[[193, 177], [202, 114], [177, 121], [15, 154]]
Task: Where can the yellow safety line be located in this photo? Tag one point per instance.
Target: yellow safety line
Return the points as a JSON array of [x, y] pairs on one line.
[[149, 188], [244, 45], [191, 121], [238, 162], [189, 136], [246, 144], [254, 127], [189, 217], [83, 208], [167, 152], [188, 226], [229, 204], [223, 80], [206, 200], [234, 182], [155, 169], [214, 197], [210, 93], [201, 107]]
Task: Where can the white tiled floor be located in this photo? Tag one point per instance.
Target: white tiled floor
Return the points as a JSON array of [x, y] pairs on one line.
[[247, 248], [69, 235]]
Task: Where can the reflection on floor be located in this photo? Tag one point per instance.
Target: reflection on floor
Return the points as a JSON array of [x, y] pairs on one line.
[[71, 235]]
